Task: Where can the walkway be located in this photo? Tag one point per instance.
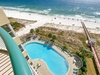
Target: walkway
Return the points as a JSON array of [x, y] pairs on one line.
[[28, 27], [92, 45], [43, 69]]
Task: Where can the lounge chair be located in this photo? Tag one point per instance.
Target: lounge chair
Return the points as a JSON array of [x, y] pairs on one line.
[[75, 69], [75, 73]]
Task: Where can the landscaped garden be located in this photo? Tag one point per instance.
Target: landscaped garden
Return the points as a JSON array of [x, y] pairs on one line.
[[72, 42]]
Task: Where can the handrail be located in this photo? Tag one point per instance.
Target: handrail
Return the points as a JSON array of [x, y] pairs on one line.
[[19, 64]]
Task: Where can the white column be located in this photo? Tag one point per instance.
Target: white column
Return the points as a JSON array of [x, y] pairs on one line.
[[9, 25]]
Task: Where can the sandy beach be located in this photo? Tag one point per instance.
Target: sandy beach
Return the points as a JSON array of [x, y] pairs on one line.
[[59, 22]]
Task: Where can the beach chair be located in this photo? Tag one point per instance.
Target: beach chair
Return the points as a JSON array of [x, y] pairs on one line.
[[76, 73], [75, 69]]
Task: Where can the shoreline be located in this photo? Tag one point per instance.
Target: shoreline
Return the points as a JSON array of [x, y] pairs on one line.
[[56, 21], [77, 17]]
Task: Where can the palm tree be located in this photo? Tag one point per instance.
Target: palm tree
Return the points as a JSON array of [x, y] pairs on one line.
[[37, 31], [89, 54], [85, 52], [31, 31], [54, 37], [50, 35]]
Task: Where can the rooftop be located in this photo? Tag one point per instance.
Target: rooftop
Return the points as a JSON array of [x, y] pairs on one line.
[[3, 19]]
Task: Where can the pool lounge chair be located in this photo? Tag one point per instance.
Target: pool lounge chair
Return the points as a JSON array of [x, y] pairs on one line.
[[76, 73], [75, 69]]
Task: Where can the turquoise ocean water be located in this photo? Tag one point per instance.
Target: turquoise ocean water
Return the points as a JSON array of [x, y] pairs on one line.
[[75, 8]]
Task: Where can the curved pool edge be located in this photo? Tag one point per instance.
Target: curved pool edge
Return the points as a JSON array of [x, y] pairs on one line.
[[65, 59], [45, 65], [55, 50]]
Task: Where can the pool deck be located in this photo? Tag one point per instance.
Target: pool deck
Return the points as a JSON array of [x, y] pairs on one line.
[[44, 70]]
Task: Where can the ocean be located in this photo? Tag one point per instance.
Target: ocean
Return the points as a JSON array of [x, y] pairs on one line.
[[81, 9]]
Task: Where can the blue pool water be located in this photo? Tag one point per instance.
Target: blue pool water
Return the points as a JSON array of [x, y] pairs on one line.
[[57, 64]]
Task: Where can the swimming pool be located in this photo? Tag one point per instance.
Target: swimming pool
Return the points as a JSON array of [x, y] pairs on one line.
[[57, 64]]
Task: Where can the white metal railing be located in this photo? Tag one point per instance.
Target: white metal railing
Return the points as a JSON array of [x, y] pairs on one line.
[[2, 45]]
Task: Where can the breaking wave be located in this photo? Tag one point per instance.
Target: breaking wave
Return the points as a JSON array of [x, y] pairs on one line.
[[23, 9], [97, 13], [48, 12]]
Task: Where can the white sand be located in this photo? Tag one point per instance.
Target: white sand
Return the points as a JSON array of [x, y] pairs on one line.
[[42, 19]]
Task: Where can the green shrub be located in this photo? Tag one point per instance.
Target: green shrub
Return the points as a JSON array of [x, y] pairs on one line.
[[53, 37], [83, 70], [50, 35], [31, 31]]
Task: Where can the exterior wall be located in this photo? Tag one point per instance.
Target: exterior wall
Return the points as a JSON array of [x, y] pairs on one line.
[[3, 19]]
